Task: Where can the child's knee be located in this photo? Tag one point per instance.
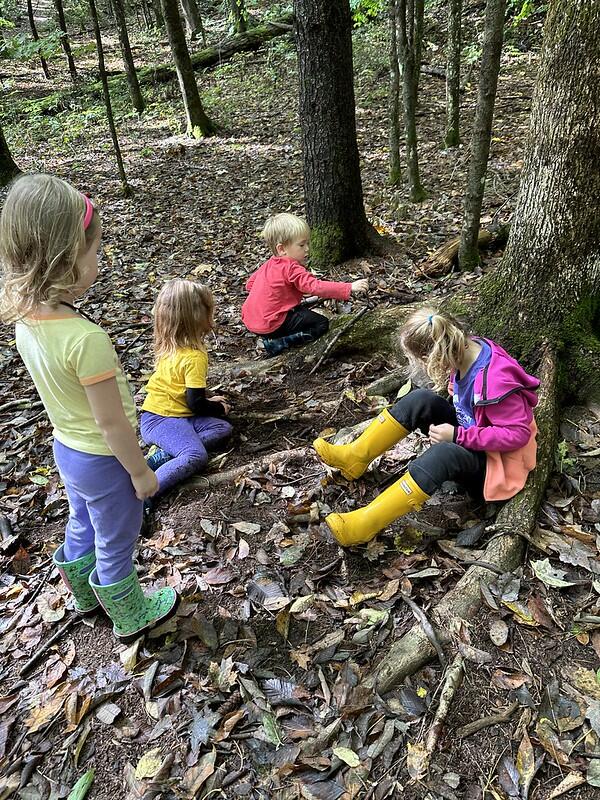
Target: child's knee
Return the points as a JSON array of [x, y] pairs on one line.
[[321, 325]]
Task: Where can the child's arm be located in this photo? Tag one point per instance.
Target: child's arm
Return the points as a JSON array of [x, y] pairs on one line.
[[307, 283], [105, 402], [201, 406], [509, 427]]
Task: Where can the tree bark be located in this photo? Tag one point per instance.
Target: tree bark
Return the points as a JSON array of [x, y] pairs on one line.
[[64, 39], [239, 15], [107, 103], [453, 50], [410, 35], [549, 283], [468, 254], [394, 98], [8, 168], [332, 183], [36, 37], [191, 14], [198, 123], [130, 71], [158, 15]]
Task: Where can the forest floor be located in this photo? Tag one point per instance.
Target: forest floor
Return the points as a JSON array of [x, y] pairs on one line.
[[252, 690]]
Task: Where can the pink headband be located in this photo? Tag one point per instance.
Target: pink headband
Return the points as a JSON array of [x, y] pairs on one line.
[[89, 212]]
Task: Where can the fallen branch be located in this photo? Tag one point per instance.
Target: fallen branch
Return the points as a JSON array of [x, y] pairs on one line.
[[388, 384], [47, 645], [331, 344], [209, 481], [516, 519], [487, 722], [442, 260]]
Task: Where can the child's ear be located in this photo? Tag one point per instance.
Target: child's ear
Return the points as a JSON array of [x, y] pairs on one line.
[[280, 249]]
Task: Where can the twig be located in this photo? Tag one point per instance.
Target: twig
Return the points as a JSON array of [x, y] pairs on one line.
[[486, 722], [45, 647], [128, 346], [341, 331], [24, 402], [452, 681], [217, 478], [427, 627]]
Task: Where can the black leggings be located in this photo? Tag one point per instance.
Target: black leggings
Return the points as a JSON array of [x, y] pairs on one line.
[[441, 462], [302, 320]]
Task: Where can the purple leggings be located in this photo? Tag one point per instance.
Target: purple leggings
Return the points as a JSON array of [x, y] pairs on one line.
[[187, 439], [104, 513]]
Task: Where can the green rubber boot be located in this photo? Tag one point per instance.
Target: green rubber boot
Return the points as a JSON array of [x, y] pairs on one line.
[[132, 613], [75, 575]]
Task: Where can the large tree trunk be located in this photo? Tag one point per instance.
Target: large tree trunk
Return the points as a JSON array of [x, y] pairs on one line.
[[64, 39], [453, 49], [409, 36], [198, 123], [107, 103], [332, 183], [8, 168], [132, 78], [549, 284], [36, 37], [468, 254]]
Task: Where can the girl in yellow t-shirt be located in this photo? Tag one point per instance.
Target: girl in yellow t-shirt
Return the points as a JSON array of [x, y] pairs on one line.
[[177, 416], [49, 241]]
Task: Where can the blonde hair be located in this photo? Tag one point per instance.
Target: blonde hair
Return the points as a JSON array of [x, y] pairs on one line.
[[41, 238], [282, 229], [183, 315], [435, 341]]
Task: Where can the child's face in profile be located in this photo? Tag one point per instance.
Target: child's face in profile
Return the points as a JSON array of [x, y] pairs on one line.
[[297, 249]]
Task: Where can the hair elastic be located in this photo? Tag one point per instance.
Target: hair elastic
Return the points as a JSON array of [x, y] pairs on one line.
[[430, 319], [89, 212]]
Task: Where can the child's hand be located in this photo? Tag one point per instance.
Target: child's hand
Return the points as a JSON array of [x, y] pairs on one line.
[[441, 433], [217, 398], [360, 287], [145, 485]]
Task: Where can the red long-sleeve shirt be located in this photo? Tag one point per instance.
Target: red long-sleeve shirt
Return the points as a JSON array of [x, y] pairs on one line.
[[278, 286]]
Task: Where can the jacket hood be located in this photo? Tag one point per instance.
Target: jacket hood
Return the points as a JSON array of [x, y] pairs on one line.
[[502, 376]]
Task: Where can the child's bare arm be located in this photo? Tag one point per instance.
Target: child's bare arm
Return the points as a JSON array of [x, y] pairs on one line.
[[107, 408]]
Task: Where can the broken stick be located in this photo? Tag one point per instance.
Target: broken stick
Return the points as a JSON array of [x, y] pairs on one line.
[[45, 647], [337, 336]]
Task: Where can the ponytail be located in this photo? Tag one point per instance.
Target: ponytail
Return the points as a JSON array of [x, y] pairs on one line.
[[435, 341]]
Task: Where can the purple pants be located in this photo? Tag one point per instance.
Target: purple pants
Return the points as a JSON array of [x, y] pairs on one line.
[[104, 513], [187, 439]]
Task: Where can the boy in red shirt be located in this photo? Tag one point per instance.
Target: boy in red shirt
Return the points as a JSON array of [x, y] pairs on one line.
[[273, 309]]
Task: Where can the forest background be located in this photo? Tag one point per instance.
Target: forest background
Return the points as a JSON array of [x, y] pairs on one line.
[[458, 654]]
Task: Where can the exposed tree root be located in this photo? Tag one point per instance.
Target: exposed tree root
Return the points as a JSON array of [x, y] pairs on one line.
[[515, 519], [216, 479]]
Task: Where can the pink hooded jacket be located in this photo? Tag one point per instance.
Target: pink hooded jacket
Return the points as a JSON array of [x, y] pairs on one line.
[[504, 396]]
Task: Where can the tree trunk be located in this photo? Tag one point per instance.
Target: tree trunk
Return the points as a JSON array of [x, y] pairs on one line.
[[394, 98], [453, 50], [549, 283], [8, 168], [132, 78], [332, 183], [158, 15], [410, 33], [64, 39], [468, 254], [36, 38], [239, 15], [109, 114], [192, 18], [198, 123]]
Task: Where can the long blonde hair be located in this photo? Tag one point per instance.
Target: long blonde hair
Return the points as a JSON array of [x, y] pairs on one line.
[[41, 238], [435, 341], [183, 315]]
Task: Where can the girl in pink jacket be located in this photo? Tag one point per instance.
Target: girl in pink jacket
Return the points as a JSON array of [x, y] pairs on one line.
[[483, 439], [272, 308]]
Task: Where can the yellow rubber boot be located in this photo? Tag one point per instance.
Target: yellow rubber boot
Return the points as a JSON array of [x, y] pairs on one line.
[[353, 459], [360, 526]]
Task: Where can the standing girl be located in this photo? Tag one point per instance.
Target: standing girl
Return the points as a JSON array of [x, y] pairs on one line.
[[484, 439], [177, 416], [49, 240]]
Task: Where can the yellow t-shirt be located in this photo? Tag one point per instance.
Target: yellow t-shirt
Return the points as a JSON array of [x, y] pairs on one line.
[[185, 369], [63, 354]]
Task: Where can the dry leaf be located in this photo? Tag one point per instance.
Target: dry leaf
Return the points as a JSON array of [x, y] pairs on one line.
[[149, 764]]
